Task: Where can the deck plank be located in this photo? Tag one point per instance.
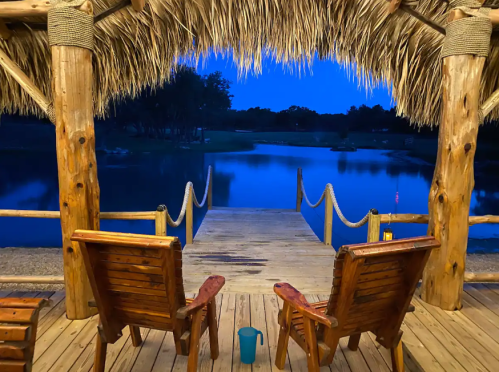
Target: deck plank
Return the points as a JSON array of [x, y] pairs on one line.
[[434, 340], [259, 321]]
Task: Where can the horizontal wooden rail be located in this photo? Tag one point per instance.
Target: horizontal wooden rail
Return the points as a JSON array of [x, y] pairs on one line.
[[469, 277], [481, 277], [57, 214], [423, 218], [42, 279]]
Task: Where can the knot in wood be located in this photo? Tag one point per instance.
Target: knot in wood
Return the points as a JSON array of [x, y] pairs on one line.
[[467, 147]]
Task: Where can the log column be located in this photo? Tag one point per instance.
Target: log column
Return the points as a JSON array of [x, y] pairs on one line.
[[79, 192], [453, 179]]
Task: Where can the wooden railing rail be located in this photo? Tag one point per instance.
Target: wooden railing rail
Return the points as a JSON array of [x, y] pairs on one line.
[[161, 216], [423, 218]]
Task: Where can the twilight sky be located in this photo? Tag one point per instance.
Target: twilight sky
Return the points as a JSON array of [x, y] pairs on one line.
[[327, 90]]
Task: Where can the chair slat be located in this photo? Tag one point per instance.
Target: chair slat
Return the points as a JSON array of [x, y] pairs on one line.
[[14, 333]]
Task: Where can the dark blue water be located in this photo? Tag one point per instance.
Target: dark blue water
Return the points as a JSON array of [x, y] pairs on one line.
[[264, 177]]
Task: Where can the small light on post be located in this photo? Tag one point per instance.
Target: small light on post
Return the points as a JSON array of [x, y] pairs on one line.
[[387, 234]]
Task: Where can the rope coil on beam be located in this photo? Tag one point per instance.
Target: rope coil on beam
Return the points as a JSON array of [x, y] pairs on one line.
[[329, 189], [70, 26]]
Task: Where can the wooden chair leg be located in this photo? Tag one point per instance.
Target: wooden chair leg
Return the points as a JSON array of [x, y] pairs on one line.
[[135, 334], [397, 355], [100, 355], [213, 328], [353, 342], [285, 318], [192, 362], [311, 342]]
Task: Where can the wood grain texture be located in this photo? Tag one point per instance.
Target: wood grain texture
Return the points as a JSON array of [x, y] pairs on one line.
[[432, 341], [255, 248], [24, 81], [79, 193], [25, 8], [453, 181]]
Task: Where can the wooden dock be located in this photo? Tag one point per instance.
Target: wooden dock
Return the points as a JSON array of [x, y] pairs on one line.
[[255, 248], [434, 340]]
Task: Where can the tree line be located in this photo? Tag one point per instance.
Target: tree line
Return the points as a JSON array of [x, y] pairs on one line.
[[190, 103]]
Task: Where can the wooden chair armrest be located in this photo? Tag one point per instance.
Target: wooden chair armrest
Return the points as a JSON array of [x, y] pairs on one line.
[[294, 298], [207, 292], [24, 303]]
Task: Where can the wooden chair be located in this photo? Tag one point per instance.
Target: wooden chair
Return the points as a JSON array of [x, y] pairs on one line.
[[137, 282], [18, 324], [372, 290]]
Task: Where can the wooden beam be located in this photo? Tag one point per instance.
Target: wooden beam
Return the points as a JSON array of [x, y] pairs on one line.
[[420, 17], [404, 218], [79, 192], [24, 8], [475, 220], [453, 181], [44, 279], [394, 5], [490, 104], [24, 81], [138, 5], [4, 31], [56, 214], [481, 277]]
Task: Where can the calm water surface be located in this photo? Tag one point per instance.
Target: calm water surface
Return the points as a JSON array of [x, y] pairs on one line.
[[264, 177]]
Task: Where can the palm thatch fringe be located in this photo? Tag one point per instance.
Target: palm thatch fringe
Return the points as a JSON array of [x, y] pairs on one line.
[[135, 50]]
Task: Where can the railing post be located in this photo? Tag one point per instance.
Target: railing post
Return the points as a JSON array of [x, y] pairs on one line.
[[210, 189], [373, 227], [299, 195], [189, 219], [160, 220], [328, 219]]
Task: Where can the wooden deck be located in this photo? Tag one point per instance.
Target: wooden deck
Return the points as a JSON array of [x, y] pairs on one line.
[[434, 340], [255, 248]]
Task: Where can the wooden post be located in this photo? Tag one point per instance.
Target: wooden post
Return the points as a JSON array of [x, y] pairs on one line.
[[299, 195], [373, 227], [210, 190], [189, 219], [160, 220], [79, 192], [453, 180], [328, 219]]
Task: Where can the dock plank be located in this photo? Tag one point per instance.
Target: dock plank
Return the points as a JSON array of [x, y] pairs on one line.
[[256, 248]]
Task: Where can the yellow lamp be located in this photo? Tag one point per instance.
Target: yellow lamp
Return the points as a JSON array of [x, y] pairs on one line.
[[387, 234]]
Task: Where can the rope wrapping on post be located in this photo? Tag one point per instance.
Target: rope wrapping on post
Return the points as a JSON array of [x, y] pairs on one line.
[[70, 26], [189, 187], [329, 188], [469, 35]]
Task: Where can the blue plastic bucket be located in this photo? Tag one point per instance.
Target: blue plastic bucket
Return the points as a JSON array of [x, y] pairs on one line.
[[247, 343]]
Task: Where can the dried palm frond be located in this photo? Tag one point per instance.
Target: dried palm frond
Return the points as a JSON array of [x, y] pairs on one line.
[[135, 50]]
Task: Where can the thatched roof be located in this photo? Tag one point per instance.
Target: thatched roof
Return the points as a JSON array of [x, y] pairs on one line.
[[134, 50]]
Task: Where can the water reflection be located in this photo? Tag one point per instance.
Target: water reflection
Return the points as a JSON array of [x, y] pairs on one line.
[[264, 177]]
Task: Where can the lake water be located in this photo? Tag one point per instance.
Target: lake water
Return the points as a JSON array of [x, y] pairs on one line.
[[264, 177]]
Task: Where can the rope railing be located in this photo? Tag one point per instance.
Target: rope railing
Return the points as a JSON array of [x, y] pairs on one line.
[[189, 190], [329, 189]]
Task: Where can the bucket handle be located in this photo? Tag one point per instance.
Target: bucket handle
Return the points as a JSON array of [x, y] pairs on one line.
[[261, 336]]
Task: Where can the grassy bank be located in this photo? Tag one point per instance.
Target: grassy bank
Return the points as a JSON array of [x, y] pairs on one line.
[[42, 138]]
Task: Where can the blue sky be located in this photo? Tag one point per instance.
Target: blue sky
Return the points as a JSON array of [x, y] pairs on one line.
[[328, 89]]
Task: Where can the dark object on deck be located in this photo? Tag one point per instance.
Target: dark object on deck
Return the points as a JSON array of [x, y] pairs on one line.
[[137, 282], [372, 290], [344, 148], [19, 321]]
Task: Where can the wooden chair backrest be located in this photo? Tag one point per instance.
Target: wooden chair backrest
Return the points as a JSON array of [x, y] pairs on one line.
[[374, 283], [18, 325], [136, 279]]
